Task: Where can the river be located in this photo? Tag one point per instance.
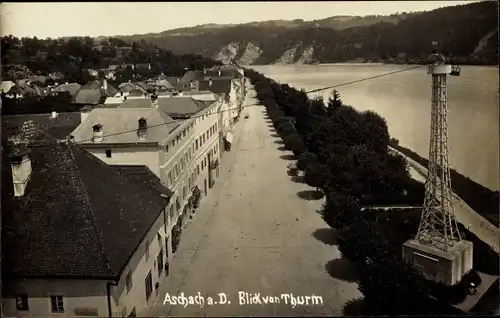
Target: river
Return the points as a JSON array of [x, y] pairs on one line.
[[404, 100]]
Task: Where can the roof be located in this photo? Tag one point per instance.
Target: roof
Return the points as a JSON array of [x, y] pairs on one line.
[[180, 107], [90, 93], [165, 83], [17, 127], [88, 108], [38, 78], [127, 87], [141, 175], [7, 85], [143, 86], [136, 103], [71, 88], [219, 85], [78, 217], [110, 90], [120, 125], [172, 80], [16, 89], [190, 76]]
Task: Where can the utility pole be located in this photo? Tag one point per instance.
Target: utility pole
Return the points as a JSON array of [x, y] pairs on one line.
[[438, 250]]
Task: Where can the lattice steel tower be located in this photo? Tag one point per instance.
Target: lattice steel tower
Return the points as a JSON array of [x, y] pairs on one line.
[[438, 226]]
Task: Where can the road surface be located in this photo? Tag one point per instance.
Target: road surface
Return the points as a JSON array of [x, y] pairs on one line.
[[254, 234]]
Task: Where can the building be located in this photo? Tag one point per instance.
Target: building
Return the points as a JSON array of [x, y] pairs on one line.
[[127, 136], [80, 238], [39, 127]]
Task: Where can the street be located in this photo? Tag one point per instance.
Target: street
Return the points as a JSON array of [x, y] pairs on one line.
[[254, 234]]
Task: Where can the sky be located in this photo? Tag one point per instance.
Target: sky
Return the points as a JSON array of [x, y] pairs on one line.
[[125, 18]]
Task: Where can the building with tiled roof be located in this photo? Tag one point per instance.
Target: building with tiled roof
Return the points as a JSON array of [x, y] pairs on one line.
[[71, 88], [40, 127], [74, 228]]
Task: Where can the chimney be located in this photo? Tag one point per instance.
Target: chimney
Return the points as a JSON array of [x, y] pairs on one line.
[[97, 129], [54, 115], [21, 169], [154, 101], [142, 128], [219, 72], [104, 84]]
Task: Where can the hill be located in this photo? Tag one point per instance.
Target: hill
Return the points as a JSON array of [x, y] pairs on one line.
[[467, 32], [72, 57]]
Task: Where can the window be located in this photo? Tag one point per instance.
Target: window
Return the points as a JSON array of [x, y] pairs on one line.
[[158, 237], [173, 143], [184, 133], [147, 250], [22, 302], [166, 148], [149, 285], [196, 144], [170, 180], [184, 192], [176, 169], [128, 281], [108, 153], [198, 169], [159, 261], [56, 304], [171, 212], [178, 137]]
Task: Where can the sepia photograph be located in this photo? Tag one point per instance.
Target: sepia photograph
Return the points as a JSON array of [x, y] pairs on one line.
[[242, 159]]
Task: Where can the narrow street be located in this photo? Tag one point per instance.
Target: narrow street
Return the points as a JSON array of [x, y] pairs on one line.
[[253, 233]]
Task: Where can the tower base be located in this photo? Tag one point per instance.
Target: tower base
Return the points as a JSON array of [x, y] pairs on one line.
[[438, 265]]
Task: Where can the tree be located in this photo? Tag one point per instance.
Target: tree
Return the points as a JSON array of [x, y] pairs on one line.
[[294, 143], [304, 159], [314, 175], [334, 103], [286, 128], [340, 209]]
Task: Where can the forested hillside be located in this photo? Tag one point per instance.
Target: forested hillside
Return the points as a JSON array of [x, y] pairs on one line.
[[468, 33], [72, 57]]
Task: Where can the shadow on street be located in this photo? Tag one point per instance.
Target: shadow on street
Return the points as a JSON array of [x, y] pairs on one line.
[[310, 195], [288, 157], [326, 236], [342, 269]]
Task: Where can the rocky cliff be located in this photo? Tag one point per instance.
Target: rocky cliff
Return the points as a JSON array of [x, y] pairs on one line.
[[468, 33]]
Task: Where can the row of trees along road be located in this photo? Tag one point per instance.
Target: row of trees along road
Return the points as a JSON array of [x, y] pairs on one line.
[[343, 154]]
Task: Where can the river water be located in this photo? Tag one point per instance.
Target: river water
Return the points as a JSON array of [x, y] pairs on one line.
[[404, 99]]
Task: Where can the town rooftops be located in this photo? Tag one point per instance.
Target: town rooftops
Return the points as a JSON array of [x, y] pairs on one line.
[[78, 217], [40, 127], [71, 88], [180, 107], [120, 125], [220, 85]]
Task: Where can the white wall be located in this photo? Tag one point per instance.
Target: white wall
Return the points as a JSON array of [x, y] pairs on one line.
[[130, 155], [125, 301], [76, 294]]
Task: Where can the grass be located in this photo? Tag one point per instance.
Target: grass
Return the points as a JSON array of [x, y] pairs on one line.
[[483, 200]]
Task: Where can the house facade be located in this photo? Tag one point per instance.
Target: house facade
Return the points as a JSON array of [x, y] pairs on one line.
[[81, 275]]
